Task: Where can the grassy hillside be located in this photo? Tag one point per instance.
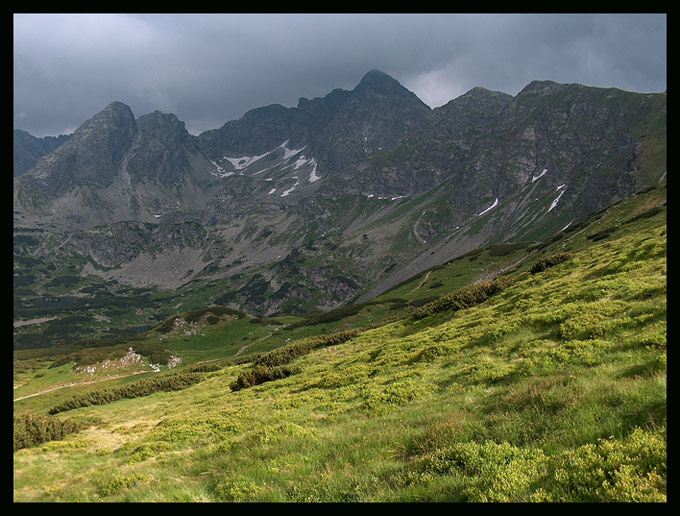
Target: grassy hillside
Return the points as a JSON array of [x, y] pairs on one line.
[[549, 388]]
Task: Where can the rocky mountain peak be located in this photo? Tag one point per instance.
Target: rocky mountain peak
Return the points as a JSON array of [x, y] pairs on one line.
[[92, 155], [541, 87], [378, 137], [116, 115], [115, 112], [482, 93], [376, 80], [109, 132], [162, 125], [160, 152], [479, 99], [377, 84], [266, 112]]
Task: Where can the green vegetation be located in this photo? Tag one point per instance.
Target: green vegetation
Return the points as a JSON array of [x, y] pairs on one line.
[[31, 430], [289, 352], [549, 261], [261, 374], [549, 386], [274, 365], [464, 297], [167, 382]]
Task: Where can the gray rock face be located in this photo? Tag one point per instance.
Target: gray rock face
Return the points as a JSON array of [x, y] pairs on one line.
[[92, 155], [161, 153]]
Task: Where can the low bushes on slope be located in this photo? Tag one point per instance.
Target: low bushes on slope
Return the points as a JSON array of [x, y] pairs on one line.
[[261, 374], [146, 387], [31, 430], [632, 469], [273, 365], [464, 297], [289, 352], [549, 261], [330, 316]]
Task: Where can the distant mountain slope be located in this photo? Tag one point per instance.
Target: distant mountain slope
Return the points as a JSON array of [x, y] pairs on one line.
[[28, 149], [337, 199]]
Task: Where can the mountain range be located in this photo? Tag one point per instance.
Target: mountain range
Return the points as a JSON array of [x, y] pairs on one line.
[[306, 208]]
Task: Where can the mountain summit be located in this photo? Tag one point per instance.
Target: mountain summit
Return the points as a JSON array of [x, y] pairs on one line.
[[92, 155], [378, 84]]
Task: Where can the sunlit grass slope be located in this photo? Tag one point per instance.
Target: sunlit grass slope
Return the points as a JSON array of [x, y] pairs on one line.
[[551, 390]]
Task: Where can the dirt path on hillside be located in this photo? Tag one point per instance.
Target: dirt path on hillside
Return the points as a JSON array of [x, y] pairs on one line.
[[415, 230], [73, 384], [243, 348], [422, 282], [490, 276]]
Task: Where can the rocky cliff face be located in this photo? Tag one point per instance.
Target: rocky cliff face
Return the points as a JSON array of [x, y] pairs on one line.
[[92, 155], [312, 206]]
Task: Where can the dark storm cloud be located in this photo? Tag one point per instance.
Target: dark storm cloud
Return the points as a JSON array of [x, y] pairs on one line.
[[208, 69]]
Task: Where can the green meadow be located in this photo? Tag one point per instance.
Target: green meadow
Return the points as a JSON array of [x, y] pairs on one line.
[[526, 372]]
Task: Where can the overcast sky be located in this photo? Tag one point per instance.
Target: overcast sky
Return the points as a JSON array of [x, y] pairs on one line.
[[208, 69]]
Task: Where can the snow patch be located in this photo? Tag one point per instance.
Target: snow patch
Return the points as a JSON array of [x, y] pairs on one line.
[[287, 192], [554, 203], [219, 171], [539, 176], [301, 161], [291, 158], [259, 171], [272, 191], [244, 161], [287, 153], [385, 197], [312, 176], [495, 203]]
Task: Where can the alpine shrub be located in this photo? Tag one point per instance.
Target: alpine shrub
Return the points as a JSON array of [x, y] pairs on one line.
[[30, 430], [289, 352], [646, 214], [146, 387], [274, 365], [464, 297], [601, 235], [261, 374], [204, 368], [549, 261]]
